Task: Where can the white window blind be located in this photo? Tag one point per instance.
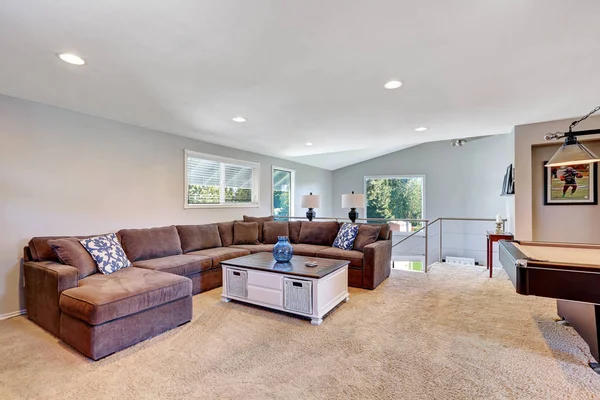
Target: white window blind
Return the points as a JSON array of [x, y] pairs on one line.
[[213, 181]]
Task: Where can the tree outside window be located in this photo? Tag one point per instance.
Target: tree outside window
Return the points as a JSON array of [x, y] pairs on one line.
[[395, 197], [283, 181]]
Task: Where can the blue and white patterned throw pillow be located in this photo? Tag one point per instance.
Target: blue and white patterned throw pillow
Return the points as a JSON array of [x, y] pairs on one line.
[[346, 236], [107, 252]]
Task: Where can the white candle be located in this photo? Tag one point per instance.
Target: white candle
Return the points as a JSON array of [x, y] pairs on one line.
[[498, 218]]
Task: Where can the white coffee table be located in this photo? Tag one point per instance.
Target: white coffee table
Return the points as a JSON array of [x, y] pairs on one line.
[[291, 287]]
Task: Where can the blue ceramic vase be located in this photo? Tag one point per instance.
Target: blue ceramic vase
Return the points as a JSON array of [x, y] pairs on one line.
[[283, 251]]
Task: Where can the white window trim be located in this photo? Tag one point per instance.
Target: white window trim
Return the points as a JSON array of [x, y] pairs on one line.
[[422, 233], [292, 189], [255, 185]]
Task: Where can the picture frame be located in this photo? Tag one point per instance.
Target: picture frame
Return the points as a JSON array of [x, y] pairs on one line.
[[571, 185]]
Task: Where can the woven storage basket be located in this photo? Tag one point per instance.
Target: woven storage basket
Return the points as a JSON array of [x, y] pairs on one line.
[[237, 283], [297, 295]]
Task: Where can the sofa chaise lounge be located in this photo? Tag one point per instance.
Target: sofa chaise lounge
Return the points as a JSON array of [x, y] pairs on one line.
[[100, 314]]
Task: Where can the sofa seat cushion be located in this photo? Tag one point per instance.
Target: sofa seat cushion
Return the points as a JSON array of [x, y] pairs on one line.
[[102, 298], [219, 254], [183, 264], [255, 248], [355, 257], [307, 250]]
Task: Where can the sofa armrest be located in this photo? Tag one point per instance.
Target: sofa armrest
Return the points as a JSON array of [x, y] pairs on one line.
[[377, 263], [44, 282]]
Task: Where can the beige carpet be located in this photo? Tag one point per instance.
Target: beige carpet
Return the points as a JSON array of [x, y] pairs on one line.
[[451, 334]]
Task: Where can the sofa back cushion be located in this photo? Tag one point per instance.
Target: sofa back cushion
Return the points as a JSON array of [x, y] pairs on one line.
[[70, 252], [273, 229], [294, 229], [245, 233], [144, 244], [320, 233], [367, 234], [385, 232], [260, 221], [198, 237], [226, 233], [40, 250]]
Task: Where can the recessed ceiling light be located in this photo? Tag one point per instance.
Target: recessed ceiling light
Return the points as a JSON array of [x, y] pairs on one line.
[[393, 85], [71, 58], [309, 143], [239, 119], [421, 129]]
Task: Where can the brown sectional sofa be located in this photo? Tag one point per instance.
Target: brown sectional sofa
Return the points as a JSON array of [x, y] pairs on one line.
[[101, 314]]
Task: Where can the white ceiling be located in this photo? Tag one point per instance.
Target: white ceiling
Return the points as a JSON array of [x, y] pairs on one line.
[[307, 70]]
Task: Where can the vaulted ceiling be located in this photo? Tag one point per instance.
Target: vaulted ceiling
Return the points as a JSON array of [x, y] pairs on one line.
[[308, 71]]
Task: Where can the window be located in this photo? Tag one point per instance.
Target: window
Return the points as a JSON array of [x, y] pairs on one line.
[[283, 195], [212, 181], [400, 197]]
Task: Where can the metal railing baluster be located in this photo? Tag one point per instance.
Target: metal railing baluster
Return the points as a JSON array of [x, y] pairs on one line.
[[440, 249]]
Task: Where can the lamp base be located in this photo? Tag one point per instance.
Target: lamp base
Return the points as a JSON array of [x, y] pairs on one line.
[[310, 214], [353, 215]]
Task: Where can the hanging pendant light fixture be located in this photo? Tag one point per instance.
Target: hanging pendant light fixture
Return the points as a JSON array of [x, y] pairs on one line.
[[572, 152]]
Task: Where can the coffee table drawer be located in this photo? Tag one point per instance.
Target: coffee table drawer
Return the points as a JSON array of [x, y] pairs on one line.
[[264, 295], [265, 280]]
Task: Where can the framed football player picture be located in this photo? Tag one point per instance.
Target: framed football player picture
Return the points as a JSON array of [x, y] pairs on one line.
[[571, 185]]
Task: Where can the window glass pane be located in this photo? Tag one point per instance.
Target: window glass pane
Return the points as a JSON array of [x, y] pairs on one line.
[[282, 192], [395, 197], [204, 181], [214, 181], [238, 184]]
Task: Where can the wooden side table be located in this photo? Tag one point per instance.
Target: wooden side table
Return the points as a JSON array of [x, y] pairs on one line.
[[492, 237]]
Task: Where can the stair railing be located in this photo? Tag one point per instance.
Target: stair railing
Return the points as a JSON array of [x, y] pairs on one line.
[[426, 229]]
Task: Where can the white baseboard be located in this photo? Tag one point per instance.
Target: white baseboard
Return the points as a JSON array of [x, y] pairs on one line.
[[12, 314]]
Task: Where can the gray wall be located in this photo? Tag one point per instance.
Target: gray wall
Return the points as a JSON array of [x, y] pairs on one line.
[[560, 223], [65, 173], [533, 220], [459, 182]]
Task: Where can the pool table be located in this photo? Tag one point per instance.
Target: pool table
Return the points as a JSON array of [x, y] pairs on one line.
[[567, 272]]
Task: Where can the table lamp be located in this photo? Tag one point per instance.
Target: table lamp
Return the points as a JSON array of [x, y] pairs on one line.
[[353, 201], [311, 201]]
